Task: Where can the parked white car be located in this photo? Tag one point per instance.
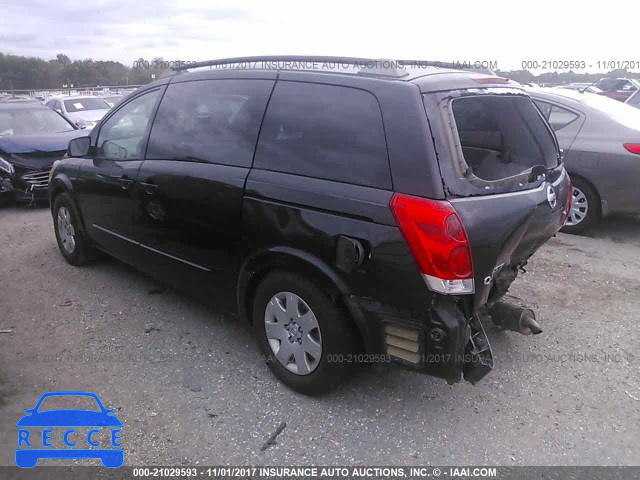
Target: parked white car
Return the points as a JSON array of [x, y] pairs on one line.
[[84, 111]]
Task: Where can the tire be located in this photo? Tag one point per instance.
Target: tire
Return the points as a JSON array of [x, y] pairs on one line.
[[75, 246], [318, 368], [6, 199], [585, 208]]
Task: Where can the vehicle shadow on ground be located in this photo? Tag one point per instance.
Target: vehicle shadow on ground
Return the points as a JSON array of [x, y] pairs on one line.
[[222, 332], [619, 229]]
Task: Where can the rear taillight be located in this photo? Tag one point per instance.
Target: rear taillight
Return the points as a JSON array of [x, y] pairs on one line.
[[633, 147], [568, 201], [438, 242], [490, 80]]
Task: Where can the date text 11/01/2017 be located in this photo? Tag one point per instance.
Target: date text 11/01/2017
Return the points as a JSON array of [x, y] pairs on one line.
[[580, 64]]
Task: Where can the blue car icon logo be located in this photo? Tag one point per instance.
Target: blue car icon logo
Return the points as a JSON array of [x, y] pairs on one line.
[[60, 433]]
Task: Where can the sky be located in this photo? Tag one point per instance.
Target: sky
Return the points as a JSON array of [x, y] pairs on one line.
[[505, 32]]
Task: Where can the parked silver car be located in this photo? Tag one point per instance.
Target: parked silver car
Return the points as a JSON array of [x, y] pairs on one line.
[[84, 111], [601, 142]]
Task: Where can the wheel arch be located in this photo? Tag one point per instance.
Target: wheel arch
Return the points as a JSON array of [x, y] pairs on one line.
[[62, 184], [259, 265]]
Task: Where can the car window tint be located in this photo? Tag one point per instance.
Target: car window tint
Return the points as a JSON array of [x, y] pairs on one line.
[[213, 121], [323, 131], [122, 135], [560, 117], [544, 107]]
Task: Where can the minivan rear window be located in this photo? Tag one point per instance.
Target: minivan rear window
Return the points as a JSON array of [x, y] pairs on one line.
[[502, 136]]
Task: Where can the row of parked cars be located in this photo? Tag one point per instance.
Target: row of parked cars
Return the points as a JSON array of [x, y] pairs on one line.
[[358, 215], [35, 132]]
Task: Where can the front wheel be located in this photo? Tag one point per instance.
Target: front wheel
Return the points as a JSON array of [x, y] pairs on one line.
[[585, 208], [305, 337], [73, 243]]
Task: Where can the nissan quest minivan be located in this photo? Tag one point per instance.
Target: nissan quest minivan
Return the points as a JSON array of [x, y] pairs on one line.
[[353, 210]]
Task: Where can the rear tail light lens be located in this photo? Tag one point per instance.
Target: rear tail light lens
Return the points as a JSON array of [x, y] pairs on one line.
[[633, 147], [490, 80], [567, 202], [438, 242]]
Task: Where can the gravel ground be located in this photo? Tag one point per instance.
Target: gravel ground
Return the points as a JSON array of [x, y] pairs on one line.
[[189, 385]]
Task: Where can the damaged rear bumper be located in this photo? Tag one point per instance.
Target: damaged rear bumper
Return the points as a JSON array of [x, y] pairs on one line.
[[449, 341]]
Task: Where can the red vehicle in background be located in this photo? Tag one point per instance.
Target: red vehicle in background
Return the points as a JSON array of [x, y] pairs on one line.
[[617, 88]]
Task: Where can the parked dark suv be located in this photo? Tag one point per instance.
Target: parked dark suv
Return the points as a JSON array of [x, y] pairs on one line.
[[352, 210]]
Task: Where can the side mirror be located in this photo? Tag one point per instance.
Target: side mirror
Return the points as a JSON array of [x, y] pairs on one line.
[[79, 147]]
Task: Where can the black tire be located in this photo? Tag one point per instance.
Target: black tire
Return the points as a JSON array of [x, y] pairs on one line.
[[585, 195], [337, 334], [83, 251], [6, 199]]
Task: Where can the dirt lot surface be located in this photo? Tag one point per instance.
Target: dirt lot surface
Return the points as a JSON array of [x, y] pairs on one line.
[[189, 385]]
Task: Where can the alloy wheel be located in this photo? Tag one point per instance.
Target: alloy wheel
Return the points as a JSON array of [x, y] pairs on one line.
[[65, 230]]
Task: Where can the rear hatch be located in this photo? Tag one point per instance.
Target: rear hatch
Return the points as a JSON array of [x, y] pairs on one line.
[[502, 173]]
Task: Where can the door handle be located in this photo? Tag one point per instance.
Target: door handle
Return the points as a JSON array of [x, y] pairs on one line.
[[125, 183]]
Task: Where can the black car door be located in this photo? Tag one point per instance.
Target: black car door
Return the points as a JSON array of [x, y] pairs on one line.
[[106, 187], [192, 181]]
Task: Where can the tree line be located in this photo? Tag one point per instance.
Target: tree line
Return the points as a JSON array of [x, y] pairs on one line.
[[31, 73]]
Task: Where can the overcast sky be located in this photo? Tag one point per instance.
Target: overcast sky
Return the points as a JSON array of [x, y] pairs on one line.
[[495, 30]]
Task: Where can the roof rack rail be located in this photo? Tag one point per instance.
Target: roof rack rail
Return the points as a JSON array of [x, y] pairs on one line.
[[449, 65], [380, 63], [275, 58], [369, 66]]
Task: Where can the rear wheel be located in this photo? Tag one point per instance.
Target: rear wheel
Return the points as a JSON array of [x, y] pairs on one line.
[[73, 243], [585, 208], [305, 337]]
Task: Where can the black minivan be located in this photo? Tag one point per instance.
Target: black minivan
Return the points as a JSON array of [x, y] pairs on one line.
[[353, 210]]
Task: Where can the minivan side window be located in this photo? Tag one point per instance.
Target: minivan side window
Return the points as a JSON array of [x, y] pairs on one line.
[[214, 121], [122, 135], [324, 131]]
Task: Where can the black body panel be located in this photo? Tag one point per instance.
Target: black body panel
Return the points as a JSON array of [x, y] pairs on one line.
[[214, 226]]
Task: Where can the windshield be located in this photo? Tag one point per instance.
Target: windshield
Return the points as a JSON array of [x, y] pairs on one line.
[[32, 121], [82, 104], [112, 101], [502, 136]]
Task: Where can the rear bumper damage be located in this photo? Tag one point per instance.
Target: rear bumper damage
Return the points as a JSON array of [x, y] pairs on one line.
[[450, 340]]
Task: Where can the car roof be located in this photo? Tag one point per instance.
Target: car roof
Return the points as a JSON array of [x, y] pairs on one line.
[[21, 105], [554, 92], [427, 75]]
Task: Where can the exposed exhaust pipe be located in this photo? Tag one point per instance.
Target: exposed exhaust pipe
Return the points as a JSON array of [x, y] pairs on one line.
[[514, 318]]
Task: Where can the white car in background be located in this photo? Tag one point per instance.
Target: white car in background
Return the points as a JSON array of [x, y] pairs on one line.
[[84, 111]]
